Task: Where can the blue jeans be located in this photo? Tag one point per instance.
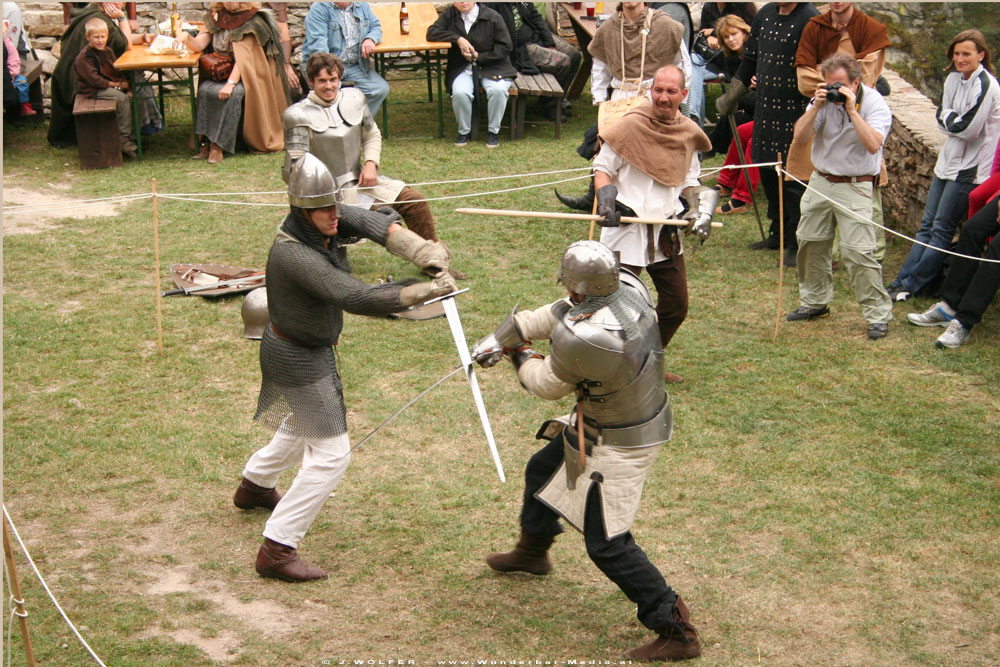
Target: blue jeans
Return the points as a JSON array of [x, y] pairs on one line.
[[947, 202], [368, 81], [696, 87]]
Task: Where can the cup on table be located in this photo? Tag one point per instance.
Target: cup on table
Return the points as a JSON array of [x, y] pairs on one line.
[[577, 5], [591, 7]]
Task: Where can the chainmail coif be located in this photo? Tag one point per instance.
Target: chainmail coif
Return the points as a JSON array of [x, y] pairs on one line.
[[308, 288], [625, 304]]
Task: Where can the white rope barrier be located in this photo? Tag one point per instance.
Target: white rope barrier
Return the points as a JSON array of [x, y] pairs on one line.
[[891, 231], [41, 580], [200, 197]]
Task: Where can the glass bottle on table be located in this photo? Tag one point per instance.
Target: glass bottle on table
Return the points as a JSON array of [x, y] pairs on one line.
[[404, 19], [175, 21]]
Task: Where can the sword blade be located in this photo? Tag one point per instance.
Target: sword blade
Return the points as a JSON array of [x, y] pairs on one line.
[[457, 333]]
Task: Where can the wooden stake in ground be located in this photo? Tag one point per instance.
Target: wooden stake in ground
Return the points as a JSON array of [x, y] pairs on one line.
[[507, 213], [781, 243], [156, 276], [16, 597]]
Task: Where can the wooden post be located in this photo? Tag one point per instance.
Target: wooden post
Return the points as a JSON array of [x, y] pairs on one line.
[[18, 598], [781, 243], [156, 276]]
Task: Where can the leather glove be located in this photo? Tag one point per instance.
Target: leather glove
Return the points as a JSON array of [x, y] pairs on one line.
[[726, 103], [413, 294], [431, 256], [488, 351], [606, 208]]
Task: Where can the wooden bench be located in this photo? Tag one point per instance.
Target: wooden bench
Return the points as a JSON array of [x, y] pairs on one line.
[[534, 85], [97, 132], [523, 87]]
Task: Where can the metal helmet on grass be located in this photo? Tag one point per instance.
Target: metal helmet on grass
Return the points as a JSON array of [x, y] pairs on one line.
[[311, 185], [254, 313], [589, 268]]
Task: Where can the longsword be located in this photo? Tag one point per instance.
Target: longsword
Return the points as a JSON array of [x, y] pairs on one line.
[[458, 334]]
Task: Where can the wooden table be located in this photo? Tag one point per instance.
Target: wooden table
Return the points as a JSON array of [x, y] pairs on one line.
[[137, 59], [584, 30], [395, 52]]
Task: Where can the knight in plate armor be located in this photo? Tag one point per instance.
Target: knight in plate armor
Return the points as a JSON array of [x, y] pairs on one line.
[[309, 286], [605, 349], [335, 125]]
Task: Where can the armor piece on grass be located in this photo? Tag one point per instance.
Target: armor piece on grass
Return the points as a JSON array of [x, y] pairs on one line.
[[589, 268], [333, 134], [254, 313], [310, 184], [614, 344]]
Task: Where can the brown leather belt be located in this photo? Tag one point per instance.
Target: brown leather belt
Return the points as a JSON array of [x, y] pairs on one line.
[[847, 179]]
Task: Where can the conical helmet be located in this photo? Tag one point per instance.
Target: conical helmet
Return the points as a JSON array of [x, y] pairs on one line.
[[589, 268], [310, 184], [254, 312]]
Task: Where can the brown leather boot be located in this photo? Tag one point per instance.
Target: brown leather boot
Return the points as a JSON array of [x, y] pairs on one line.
[[530, 555], [249, 496], [278, 561], [677, 641], [214, 153]]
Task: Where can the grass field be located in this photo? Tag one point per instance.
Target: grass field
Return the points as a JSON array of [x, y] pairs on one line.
[[826, 500]]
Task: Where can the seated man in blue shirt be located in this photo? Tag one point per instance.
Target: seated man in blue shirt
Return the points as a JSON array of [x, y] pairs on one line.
[[350, 31]]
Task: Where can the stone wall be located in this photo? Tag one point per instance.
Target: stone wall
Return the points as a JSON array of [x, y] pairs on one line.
[[910, 154]]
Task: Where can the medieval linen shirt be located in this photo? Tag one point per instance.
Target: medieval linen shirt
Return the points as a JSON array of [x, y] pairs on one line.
[[648, 198]]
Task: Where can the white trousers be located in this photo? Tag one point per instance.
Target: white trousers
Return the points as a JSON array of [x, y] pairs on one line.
[[324, 462]]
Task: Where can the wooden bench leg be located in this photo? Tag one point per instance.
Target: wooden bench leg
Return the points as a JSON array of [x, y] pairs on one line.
[[559, 115], [522, 107]]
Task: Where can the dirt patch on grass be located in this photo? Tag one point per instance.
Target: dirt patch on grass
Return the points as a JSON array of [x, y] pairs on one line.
[[32, 221]]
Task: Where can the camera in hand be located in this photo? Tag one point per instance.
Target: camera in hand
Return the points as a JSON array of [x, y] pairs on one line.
[[833, 93]]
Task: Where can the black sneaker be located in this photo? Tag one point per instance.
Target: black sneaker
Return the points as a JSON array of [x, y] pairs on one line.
[[770, 243], [492, 140], [878, 330], [463, 139], [807, 313]]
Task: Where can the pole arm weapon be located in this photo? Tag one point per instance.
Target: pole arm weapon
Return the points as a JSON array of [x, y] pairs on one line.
[[572, 216]]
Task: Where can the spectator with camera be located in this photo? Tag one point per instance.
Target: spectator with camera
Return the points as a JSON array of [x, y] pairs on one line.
[[847, 123]]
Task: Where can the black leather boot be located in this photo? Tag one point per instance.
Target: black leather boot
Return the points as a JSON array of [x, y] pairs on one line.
[[582, 203]]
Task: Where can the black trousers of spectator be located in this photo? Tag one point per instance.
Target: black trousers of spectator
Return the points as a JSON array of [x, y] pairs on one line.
[[792, 194], [971, 285], [620, 559]]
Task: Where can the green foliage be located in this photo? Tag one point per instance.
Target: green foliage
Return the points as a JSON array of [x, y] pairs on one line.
[[825, 499]]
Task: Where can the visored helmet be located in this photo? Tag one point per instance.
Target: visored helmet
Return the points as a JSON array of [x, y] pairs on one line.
[[254, 313], [310, 184], [589, 268]]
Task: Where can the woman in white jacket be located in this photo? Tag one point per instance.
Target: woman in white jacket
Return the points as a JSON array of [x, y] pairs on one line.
[[970, 116]]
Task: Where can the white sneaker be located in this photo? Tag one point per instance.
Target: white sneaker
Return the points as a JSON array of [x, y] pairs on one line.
[[954, 336], [937, 316]]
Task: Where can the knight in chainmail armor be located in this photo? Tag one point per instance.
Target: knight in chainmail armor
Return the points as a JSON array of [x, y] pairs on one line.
[[309, 286], [605, 349], [336, 126]]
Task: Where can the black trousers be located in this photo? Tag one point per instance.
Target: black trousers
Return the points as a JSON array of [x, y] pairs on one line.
[[620, 559], [971, 285], [793, 192]]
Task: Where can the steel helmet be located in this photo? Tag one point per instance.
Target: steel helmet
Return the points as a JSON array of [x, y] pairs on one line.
[[310, 184], [589, 268], [254, 312]]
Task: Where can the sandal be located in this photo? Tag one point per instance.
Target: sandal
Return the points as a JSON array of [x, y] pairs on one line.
[[732, 206], [722, 190]]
